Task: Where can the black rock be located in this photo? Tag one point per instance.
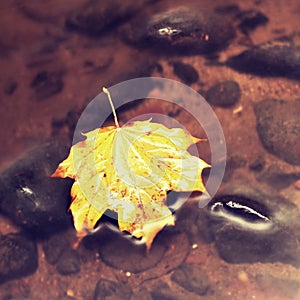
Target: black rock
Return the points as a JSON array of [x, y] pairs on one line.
[[46, 84], [97, 16], [53, 248], [276, 58], [68, 262], [182, 30], [187, 73], [250, 19], [192, 278], [250, 227], [18, 256], [236, 245], [242, 210], [278, 126], [107, 289], [162, 291], [224, 94], [30, 197]]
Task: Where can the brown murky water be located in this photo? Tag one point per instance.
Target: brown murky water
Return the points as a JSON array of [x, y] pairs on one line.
[[53, 62]]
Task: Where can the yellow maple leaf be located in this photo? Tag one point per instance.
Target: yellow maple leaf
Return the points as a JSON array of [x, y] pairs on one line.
[[129, 170]]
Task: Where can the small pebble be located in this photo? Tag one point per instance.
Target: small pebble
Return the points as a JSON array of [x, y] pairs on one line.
[[242, 276], [224, 94], [187, 73]]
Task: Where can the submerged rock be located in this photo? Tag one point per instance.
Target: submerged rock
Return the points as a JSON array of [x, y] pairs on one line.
[[30, 197], [107, 289], [182, 30], [187, 73], [250, 227], [136, 259], [224, 94], [18, 256], [192, 278], [162, 291], [97, 16], [68, 262], [250, 19], [275, 58], [278, 126]]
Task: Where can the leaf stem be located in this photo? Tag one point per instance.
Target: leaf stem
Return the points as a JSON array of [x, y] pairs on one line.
[[106, 91]]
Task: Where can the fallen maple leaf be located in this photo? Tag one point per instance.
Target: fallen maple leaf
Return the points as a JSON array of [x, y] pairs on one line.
[[129, 170]]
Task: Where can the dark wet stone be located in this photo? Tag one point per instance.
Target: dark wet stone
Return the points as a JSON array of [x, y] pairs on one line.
[[29, 197], [107, 289], [54, 247], [237, 246], [251, 19], [46, 84], [113, 244], [241, 209], [250, 227], [68, 262], [275, 58], [192, 278], [97, 16], [162, 291], [18, 256], [278, 126], [187, 73], [224, 94], [182, 30], [10, 87]]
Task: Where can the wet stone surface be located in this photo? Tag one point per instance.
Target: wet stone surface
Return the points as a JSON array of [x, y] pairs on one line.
[[162, 291], [181, 30], [68, 262], [18, 256], [53, 248], [192, 278], [112, 244], [187, 73], [278, 128], [107, 289], [30, 198], [224, 94], [248, 231], [96, 16], [275, 58], [250, 20]]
